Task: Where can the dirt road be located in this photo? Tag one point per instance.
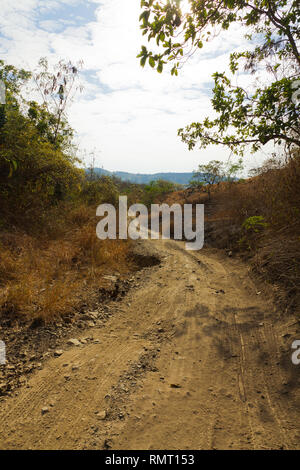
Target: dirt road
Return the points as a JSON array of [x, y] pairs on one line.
[[192, 359]]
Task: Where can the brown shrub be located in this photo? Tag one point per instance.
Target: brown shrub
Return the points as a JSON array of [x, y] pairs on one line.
[[42, 277], [272, 248], [278, 260], [274, 195]]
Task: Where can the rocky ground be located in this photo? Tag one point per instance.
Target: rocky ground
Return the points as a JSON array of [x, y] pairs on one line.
[[30, 343], [193, 356]]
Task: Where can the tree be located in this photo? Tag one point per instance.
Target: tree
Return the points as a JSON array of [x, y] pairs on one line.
[[269, 113], [57, 88], [213, 173], [99, 190], [13, 80], [233, 169], [157, 189], [35, 174], [196, 183], [210, 174]]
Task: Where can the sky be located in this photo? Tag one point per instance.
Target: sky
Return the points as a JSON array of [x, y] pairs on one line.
[[128, 116]]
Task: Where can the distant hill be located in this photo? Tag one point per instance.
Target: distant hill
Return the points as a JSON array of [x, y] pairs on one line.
[[140, 178]]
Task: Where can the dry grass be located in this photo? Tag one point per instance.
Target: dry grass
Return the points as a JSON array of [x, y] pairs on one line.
[[46, 278], [273, 251], [278, 260]]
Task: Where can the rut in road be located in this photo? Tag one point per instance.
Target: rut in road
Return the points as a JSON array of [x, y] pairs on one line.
[[193, 359]]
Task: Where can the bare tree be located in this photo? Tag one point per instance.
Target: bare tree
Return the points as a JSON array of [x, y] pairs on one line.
[[57, 86]]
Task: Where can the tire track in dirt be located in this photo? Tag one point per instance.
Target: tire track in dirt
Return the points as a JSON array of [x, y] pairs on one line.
[[193, 359]]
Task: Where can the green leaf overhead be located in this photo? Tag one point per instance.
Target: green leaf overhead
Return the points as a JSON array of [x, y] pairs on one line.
[[270, 112]]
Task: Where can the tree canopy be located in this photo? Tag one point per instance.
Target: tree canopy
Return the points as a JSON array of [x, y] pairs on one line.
[[214, 172], [36, 170], [254, 117]]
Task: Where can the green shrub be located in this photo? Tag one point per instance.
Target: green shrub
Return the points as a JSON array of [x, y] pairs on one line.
[[254, 224]]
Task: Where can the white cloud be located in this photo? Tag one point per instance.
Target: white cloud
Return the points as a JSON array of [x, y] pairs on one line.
[[135, 124]]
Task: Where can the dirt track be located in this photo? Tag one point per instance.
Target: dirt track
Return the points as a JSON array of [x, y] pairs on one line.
[[193, 359]]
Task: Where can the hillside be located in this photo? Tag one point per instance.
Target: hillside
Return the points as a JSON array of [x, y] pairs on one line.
[[258, 220], [140, 178]]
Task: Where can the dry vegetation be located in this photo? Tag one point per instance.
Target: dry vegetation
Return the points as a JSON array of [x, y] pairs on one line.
[[51, 261], [259, 218], [42, 277]]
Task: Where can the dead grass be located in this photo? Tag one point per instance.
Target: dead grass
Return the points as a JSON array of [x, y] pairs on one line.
[[42, 277], [272, 251], [278, 260]]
